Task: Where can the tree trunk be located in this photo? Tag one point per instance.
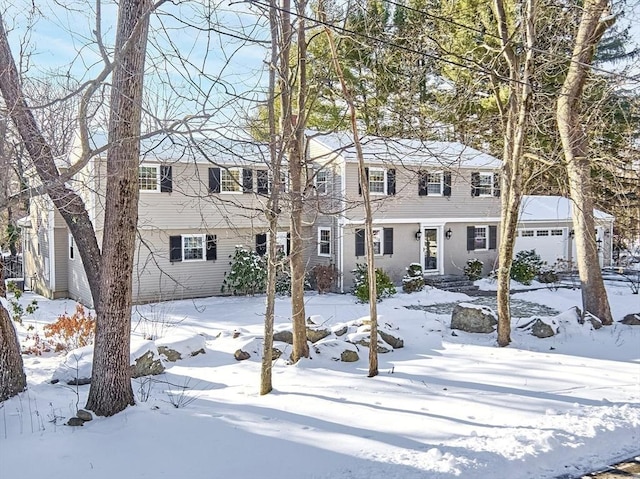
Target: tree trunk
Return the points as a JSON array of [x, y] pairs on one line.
[[110, 390], [515, 124], [576, 150], [12, 377], [368, 215]]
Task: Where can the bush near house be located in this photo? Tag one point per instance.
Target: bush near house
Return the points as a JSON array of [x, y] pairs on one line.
[[413, 281], [526, 266], [384, 286], [473, 269], [248, 274], [324, 276]]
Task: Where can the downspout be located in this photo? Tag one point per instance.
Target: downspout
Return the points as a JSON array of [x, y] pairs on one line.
[[341, 219], [52, 247]]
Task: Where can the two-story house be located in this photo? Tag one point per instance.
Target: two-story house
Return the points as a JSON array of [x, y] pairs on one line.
[[435, 203]]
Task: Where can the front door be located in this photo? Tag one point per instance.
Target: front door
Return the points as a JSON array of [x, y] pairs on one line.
[[431, 249]]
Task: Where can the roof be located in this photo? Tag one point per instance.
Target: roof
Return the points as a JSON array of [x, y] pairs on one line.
[[407, 151], [551, 208]]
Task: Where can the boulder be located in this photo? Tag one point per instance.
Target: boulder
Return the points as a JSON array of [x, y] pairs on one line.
[[147, 365], [632, 319], [336, 350], [315, 334], [171, 355], [473, 318], [241, 355], [84, 415], [341, 331], [349, 356], [75, 421], [540, 329], [285, 336], [393, 341]]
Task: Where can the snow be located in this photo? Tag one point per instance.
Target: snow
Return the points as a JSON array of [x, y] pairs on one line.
[[443, 406], [551, 208]]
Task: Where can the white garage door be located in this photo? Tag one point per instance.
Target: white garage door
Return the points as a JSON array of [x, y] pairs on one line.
[[549, 243]]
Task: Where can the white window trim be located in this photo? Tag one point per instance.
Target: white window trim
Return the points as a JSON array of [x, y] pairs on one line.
[[324, 183], [157, 168], [380, 235], [320, 230], [441, 193], [384, 181], [486, 238], [491, 175], [238, 184], [272, 183], [204, 247]]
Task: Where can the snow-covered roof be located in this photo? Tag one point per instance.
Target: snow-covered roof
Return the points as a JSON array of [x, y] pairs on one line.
[[551, 208], [407, 151]]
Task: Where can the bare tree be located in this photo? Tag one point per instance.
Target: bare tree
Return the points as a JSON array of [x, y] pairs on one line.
[[595, 20], [12, 377]]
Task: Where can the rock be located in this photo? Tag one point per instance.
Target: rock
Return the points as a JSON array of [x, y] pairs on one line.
[[79, 381], [84, 415], [315, 335], [473, 318], [241, 355], [147, 365], [75, 421], [275, 354], [365, 342], [394, 342], [595, 322], [199, 351], [540, 329], [632, 319], [341, 331], [349, 356], [170, 354], [285, 336]]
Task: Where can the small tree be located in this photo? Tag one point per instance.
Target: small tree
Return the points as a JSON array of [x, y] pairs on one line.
[[526, 266], [384, 286], [413, 281], [248, 274], [473, 269]]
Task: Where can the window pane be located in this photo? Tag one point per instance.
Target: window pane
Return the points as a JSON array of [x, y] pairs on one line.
[[192, 247], [148, 178], [527, 233], [434, 183], [230, 180], [376, 181], [377, 241], [542, 233], [556, 233], [321, 181], [325, 242], [481, 238], [485, 185]]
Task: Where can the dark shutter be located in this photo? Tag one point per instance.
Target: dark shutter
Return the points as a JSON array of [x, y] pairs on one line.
[[262, 180], [366, 174], [388, 241], [166, 181], [475, 184], [471, 238], [422, 183], [447, 185], [288, 244], [496, 184], [261, 244], [175, 248], [247, 180], [360, 242], [212, 247], [214, 180], [493, 237], [391, 182]]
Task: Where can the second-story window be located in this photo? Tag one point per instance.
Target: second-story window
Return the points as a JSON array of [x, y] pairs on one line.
[[230, 180], [434, 183], [149, 178], [485, 184], [377, 181], [322, 181]]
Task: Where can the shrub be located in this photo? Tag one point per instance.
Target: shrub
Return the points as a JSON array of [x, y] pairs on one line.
[[526, 266], [473, 269], [324, 276], [413, 281], [547, 275], [72, 332], [17, 310], [248, 273], [384, 286]]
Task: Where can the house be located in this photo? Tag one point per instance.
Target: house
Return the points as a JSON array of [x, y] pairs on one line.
[[435, 203]]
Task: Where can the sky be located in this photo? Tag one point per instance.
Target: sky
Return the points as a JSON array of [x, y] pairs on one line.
[[448, 404]]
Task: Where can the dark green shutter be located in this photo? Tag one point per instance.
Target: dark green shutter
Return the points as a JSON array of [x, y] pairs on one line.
[[447, 185], [496, 184], [493, 237], [391, 182], [388, 240], [471, 238], [175, 248], [422, 183], [366, 174], [261, 244], [360, 242], [475, 184], [262, 180], [247, 180], [212, 247], [166, 181], [214, 180]]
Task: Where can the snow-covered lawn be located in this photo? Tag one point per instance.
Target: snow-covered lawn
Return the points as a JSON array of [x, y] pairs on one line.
[[442, 406]]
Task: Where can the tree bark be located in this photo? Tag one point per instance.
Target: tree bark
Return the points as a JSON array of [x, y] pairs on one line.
[[576, 153], [515, 124], [111, 390], [12, 377]]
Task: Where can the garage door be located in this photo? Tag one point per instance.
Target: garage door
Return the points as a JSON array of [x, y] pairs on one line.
[[549, 243]]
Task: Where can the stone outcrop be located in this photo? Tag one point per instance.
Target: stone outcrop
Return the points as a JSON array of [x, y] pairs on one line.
[[473, 318]]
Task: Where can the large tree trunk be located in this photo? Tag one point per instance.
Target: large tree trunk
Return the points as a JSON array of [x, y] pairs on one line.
[[576, 152], [12, 377], [515, 124], [111, 390]]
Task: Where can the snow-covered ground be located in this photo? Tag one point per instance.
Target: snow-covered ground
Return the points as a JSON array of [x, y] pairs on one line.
[[445, 405]]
